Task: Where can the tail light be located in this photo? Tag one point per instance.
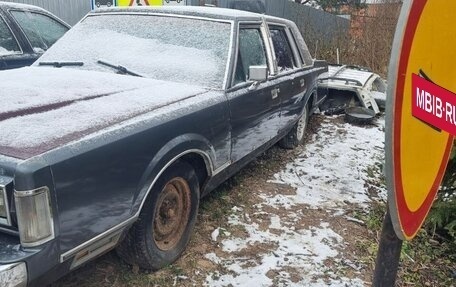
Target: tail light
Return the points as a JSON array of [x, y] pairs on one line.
[[34, 216]]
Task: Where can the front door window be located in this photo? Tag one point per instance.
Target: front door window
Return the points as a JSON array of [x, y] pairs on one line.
[[251, 52]]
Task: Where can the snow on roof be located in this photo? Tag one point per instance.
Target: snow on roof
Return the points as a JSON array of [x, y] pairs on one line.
[[20, 5], [202, 11]]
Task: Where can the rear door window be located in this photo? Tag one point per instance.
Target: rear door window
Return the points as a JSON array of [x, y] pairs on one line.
[[8, 44], [41, 30], [282, 49]]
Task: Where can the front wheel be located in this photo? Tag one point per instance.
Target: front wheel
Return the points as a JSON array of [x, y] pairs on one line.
[[297, 134], [166, 222]]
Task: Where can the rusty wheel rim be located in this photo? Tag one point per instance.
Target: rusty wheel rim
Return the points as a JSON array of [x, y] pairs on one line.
[[172, 213]]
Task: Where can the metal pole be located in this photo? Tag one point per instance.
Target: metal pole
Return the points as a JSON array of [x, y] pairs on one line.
[[338, 60], [388, 255]]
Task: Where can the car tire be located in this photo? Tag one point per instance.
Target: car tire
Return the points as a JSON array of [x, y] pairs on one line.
[[109, 4], [166, 221], [298, 133], [98, 4]]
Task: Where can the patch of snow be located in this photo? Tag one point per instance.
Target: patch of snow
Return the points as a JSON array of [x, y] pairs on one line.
[[330, 173], [213, 257], [303, 249], [275, 222], [5, 52], [215, 234], [38, 50], [331, 170]]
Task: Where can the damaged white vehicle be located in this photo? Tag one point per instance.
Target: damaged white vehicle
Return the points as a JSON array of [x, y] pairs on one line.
[[350, 86]]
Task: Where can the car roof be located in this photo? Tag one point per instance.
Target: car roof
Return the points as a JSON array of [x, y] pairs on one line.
[[350, 76], [195, 11], [20, 6], [10, 5]]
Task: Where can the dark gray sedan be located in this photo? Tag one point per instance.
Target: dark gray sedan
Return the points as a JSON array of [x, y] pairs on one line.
[[127, 121]]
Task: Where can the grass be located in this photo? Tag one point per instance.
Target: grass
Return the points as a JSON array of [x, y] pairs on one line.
[[427, 260]]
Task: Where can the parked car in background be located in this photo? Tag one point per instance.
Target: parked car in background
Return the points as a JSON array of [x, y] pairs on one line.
[[107, 3], [128, 120], [26, 32]]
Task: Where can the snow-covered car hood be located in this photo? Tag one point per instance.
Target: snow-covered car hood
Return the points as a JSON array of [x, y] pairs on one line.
[[42, 108]]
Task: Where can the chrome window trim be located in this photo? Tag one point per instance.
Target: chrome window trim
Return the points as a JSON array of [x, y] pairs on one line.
[[269, 48], [15, 38], [293, 46], [300, 53], [231, 22], [229, 58], [7, 220], [258, 23]]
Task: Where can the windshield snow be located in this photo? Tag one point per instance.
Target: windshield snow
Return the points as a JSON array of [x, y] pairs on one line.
[[160, 47]]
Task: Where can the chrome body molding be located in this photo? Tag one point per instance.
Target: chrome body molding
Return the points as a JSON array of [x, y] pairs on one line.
[[115, 229]]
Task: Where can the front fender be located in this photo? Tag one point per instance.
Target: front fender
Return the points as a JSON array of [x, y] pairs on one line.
[[167, 155]]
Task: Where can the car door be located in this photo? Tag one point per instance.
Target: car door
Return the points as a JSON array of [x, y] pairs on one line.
[[294, 80], [254, 107]]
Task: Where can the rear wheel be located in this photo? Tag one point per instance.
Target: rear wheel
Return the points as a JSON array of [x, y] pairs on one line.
[[297, 134], [166, 221]]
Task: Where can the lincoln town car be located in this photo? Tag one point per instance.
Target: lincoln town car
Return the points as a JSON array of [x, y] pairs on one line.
[[112, 137]]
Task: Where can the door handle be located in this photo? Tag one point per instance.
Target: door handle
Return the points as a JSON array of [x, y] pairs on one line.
[[275, 93], [302, 82]]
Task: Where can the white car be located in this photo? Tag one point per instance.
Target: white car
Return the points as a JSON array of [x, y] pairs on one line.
[[348, 86]]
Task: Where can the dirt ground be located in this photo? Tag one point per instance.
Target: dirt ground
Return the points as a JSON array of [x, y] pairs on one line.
[[242, 240]]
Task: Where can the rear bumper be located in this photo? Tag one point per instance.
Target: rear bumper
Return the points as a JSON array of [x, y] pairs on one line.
[[13, 275]]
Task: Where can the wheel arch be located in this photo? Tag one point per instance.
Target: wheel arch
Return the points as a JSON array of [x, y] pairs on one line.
[[190, 148]]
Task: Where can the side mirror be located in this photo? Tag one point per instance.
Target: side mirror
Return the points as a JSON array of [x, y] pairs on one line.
[[258, 73]]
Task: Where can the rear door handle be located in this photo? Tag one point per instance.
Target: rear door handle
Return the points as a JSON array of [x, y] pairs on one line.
[[275, 93], [302, 82]]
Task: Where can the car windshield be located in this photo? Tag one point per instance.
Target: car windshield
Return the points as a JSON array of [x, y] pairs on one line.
[[160, 47]]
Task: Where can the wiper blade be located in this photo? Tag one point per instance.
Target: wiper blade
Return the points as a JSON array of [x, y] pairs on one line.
[[61, 64], [120, 69]]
